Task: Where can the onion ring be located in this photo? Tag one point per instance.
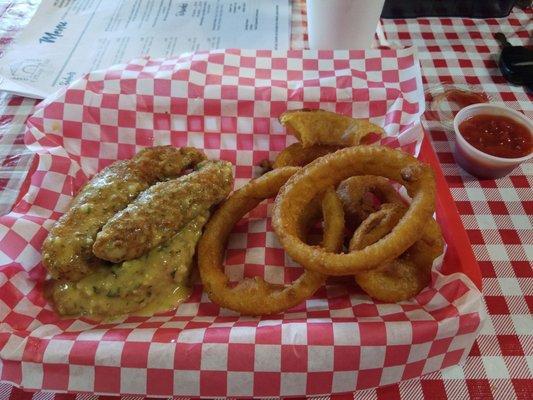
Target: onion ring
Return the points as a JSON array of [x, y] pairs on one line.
[[333, 215], [297, 155], [357, 195], [406, 276], [377, 225], [250, 296], [331, 170]]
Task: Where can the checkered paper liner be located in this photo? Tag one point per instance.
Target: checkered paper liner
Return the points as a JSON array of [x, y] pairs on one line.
[[226, 102]]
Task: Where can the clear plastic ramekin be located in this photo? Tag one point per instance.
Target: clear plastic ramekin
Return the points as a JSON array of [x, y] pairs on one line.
[[475, 161]]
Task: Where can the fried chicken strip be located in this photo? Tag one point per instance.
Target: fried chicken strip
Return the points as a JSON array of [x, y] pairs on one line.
[[67, 251], [161, 211]]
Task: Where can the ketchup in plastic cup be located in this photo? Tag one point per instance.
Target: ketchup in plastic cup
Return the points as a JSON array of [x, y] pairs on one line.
[[446, 100], [491, 140], [464, 98]]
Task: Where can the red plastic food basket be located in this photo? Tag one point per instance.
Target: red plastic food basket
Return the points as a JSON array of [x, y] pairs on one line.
[[227, 103]]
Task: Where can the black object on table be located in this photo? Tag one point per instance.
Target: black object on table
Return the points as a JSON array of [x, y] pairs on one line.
[[516, 63], [447, 8]]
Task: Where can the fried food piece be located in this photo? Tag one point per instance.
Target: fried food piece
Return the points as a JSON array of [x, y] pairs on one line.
[[405, 276], [327, 128], [296, 155], [67, 251], [162, 210], [333, 215], [359, 194], [377, 225], [332, 169], [265, 165], [133, 285], [250, 296]]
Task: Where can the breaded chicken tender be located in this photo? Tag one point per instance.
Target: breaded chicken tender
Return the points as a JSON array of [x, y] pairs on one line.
[[67, 251], [162, 210]]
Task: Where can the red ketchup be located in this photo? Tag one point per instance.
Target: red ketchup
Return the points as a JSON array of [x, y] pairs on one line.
[[464, 98], [497, 135]]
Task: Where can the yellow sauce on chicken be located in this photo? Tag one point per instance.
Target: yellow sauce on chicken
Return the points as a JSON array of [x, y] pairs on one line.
[[155, 282], [168, 299]]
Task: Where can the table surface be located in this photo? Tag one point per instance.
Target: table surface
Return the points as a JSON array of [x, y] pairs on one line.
[[496, 213]]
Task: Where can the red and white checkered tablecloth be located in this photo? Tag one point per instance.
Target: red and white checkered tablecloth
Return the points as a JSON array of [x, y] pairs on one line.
[[496, 214]]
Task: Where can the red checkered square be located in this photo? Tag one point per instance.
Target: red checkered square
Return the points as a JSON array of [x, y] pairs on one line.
[[212, 382], [135, 354], [374, 334], [54, 376], [346, 358], [293, 358], [413, 369], [160, 382], [439, 346], [83, 352], [11, 372], [319, 382], [268, 383], [397, 355], [496, 305], [369, 378], [320, 334], [106, 379], [217, 335], [241, 357], [268, 334], [187, 356]]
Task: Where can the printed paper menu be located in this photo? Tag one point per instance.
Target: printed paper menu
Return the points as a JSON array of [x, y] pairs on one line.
[[68, 38]]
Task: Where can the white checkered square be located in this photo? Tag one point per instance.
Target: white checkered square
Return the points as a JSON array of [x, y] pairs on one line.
[[344, 381], [267, 358], [214, 357], [320, 358], [346, 333], [81, 378], [294, 333], [109, 354], [240, 384], [187, 383], [133, 380], [161, 355], [391, 375], [292, 382], [32, 374], [372, 357]]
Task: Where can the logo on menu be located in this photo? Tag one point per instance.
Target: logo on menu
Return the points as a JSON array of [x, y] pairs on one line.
[[51, 37], [29, 70]]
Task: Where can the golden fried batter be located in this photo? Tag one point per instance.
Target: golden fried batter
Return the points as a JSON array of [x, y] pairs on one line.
[[67, 251], [377, 225], [358, 194], [296, 155], [162, 210], [327, 128], [405, 276]]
